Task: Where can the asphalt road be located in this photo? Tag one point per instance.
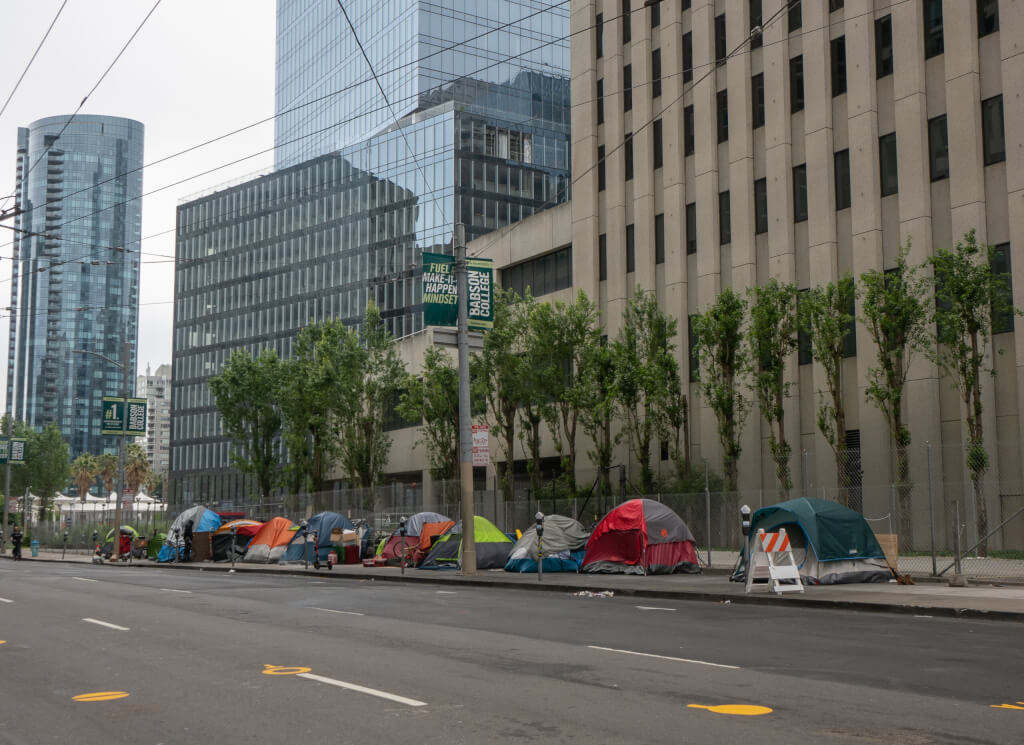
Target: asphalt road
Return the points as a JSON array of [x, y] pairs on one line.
[[366, 662]]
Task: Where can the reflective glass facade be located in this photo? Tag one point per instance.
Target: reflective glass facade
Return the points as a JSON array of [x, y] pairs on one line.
[[75, 276], [473, 52]]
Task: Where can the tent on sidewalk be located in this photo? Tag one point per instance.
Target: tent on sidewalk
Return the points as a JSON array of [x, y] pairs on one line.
[[563, 544], [420, 530], [831, 544], [492, 547], [329, 528], [220, 544], [203, 521], [270, 542], [641, 536]]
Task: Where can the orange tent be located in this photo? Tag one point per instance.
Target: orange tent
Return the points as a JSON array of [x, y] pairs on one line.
[[271, 541]]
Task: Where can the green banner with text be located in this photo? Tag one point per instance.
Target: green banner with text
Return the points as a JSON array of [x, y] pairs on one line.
[[114, 416], [17, 450], [440, 292]]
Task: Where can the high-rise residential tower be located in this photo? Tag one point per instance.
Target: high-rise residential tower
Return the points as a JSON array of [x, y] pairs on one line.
[[75, 275], [155, 387]]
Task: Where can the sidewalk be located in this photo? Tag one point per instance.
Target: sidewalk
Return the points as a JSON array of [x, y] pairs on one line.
[[927, 598]]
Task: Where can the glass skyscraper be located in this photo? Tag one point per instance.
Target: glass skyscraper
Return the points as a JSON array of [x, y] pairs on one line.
[[480, 91], [75, 275]]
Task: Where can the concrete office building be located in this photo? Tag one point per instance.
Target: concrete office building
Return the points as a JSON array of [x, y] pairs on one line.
[[75, 274]]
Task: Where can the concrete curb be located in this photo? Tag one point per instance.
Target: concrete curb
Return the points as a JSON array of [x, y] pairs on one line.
[[439, 578]]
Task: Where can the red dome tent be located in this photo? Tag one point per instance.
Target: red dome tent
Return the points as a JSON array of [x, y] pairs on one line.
[[641, 536]]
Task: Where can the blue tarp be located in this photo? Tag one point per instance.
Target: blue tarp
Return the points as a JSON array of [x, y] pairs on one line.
[[569, 563], [203, 521], [323, 524]]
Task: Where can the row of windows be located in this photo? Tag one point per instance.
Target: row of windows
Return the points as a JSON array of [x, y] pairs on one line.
[[541, 275]]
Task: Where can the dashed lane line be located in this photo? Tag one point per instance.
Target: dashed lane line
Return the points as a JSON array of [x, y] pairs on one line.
[[84, 579], [108, 625], [5, 600], [341, 612], [664, 657], [363, 689], [168, 589], [652, 607]]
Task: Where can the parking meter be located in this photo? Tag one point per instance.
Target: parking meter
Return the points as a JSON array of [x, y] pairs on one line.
[[234, 532], [745, 519], [64, 550], [401, 531], [539, 517], [177, 533], [303, 525]]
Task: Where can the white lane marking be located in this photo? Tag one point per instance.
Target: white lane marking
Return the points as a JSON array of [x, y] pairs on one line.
[[663, 657], [652, 607], [321, 582], [5, 600], [363, 689], [168, 589], [445, 592], [108, 625], [342, 612], [922, 616], [83, 579]]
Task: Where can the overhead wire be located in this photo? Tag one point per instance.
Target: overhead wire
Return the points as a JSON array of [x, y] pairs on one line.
[[33, 57]]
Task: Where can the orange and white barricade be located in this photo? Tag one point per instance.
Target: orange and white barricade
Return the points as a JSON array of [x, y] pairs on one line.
[[772, 551]]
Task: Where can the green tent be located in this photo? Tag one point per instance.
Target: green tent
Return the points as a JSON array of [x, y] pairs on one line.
[[831, 544], [492, 547]]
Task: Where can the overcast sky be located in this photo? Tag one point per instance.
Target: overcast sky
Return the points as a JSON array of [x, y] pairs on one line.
[[197, 70]]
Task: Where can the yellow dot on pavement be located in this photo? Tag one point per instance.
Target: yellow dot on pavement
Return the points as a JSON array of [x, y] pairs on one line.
[[101, 696], [2, 641], [739, 710], [279, 670]]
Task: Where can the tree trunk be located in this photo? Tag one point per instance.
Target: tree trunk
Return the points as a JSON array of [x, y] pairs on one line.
[[904, 488]]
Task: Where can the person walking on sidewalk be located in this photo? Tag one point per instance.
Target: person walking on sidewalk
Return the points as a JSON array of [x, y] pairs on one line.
[[16, 538]]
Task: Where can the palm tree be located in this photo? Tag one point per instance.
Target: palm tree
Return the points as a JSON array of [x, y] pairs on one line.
[[136, 467], [84, 470], [107, 470]]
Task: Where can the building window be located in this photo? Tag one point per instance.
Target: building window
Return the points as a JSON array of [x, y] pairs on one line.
[[600, 101], [938, 148], [626, 28], [627, 87], [796, 84], [1002, 312], [883, 47], [686, 4], [687, 57], [722, 109], [724, 218], [834, 5], [796, 19], [600, 167], [691, 228], [602, 257], [988, 17], [761, 206], [843, 190], [627, 147], [599, 34], [887, 164], [720, 50], [799, 193], [756, 40], [757, 102], [691, 345], [804, 349], [659, 239], [838, 61], [933, 42], [992, 130], [655, 71], [542, 275], [655, 14], [630, 250], [688, 148], [656, 137]]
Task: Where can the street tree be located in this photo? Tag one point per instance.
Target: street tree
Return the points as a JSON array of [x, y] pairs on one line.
[[645, 370], [155, 483], [432, 397], [970, 299], [136, 467], [721, 348], [597, 411], [246, 395], [894, 308], [84, 470], [106, 469], [533, 376], [48, 459], [827, 318], [773, 338]]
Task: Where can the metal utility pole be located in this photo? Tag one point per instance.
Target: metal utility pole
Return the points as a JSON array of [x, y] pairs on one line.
[[125, 357], [13, 212], [465, 418]]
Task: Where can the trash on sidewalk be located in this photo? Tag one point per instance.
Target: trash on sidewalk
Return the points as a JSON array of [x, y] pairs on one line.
[[590, 594]]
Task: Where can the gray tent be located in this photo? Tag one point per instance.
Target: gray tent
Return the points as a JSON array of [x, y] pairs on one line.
[[563, 543]]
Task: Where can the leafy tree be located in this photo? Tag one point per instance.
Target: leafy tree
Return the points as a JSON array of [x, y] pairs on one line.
[[645, 368], [597, 394], [136, 467], [48, 459], [895, 314], [826, 318], [968, 297], [84, 470], [375, 380], [106, 466], [773, 338], [155, 483], [19, 473], [246, 393], [723, 360], [533, 377], [494, 376], [566, 335], [433, 397]]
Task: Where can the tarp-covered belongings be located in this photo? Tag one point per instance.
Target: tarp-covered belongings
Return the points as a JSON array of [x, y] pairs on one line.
[[831, 544], [270, 542], [563, 544], [325, 525], [492, 547], [641, 536], [203, 521], [420, 530], [220, 544]]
